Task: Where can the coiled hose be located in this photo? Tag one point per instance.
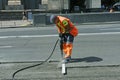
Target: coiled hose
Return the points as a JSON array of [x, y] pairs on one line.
[[13, 75]]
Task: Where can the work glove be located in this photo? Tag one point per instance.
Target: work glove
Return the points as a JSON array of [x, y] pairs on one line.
[[60, 35]]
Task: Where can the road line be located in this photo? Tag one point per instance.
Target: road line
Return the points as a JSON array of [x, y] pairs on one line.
[[111, 29], [55, 35], [102, 33], [6, 47]]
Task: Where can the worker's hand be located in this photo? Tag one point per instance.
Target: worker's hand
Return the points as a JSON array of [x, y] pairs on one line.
[[60, 35]]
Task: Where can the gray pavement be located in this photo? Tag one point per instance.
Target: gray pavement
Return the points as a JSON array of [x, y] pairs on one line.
[[95, 54], [49, 71], [14, 23]]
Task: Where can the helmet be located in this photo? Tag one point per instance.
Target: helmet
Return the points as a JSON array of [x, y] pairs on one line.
[[52, 18]]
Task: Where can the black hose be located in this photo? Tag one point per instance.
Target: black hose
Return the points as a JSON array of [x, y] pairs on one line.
[[13, 76]]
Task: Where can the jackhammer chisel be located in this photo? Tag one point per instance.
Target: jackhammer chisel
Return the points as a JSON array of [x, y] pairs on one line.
[[64, 68]]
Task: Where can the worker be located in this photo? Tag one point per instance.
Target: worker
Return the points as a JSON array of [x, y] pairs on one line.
[[67, 31]]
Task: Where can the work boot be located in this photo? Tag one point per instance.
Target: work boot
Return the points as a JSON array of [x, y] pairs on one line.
[[66, 60]]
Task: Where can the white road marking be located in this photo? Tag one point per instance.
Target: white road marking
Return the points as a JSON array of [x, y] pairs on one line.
[[6, 47], [111, 29], [54, 35], [102, 33]]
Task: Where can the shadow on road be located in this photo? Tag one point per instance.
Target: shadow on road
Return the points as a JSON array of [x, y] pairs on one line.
[[86, 59]]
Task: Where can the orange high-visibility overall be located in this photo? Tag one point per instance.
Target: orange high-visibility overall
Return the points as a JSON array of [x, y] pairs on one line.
[[68, 31]]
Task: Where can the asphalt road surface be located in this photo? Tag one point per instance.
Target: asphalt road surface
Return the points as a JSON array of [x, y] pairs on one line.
[[95, 53]]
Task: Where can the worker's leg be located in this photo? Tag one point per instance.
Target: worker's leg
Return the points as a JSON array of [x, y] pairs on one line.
[[68, 45], [69, 48], [64, 48]]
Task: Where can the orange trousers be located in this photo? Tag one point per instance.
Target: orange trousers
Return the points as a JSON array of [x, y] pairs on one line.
[[67, 49]]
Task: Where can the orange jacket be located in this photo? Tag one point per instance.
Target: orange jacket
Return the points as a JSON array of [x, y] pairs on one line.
[[64, 25]]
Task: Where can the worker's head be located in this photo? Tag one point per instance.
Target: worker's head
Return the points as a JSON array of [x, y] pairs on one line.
[[53, 18]]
